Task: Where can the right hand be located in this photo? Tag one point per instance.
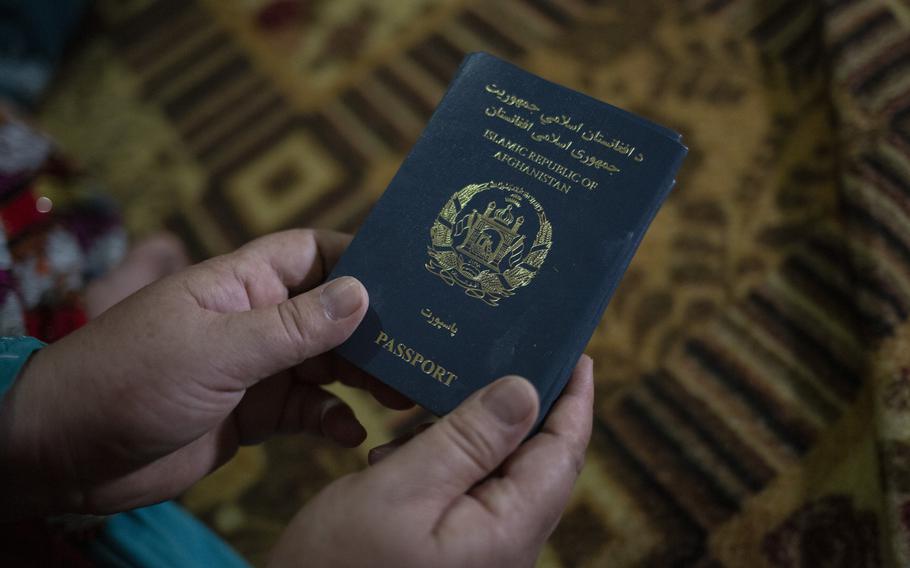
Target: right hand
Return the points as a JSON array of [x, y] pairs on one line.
[[464, 492]]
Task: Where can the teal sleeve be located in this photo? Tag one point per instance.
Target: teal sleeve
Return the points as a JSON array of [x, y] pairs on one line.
[[160, 535], [14, 352]]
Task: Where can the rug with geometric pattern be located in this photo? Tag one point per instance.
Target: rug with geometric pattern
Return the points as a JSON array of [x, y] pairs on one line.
[[753, 369]]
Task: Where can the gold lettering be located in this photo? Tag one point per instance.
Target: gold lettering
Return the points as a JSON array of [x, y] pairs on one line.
[[504, 142], [411, 356], [503, 96], [567, 140], [449, 378], [535, 173], [437, 322]]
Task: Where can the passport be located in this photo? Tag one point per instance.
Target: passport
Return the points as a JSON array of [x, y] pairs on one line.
[[500, 240]]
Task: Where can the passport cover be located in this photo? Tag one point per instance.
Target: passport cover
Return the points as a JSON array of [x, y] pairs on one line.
[[501, 238]]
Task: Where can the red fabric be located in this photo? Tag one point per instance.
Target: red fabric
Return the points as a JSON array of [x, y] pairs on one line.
[[49, 325], [20, 213]]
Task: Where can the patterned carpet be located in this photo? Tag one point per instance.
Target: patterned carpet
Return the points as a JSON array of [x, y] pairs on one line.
[[753, 376]]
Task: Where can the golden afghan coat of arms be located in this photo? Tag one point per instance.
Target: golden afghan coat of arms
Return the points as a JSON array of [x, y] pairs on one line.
[[491, 239]]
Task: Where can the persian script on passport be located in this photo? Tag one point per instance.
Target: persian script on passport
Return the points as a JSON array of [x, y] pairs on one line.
[[500, 240]]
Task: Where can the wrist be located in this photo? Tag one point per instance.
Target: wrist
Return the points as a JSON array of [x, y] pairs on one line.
[[33, 477]]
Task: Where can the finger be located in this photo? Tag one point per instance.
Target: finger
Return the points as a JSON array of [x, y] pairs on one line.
[[383, 393], [572, 416], [279, 406], [300, 258], [379, 453], [338, 422], [383, 451], [258, 343], [331, 367], [164, 478], [537, 480], [464, 447]]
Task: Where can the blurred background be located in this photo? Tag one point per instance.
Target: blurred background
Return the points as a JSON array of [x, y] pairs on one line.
[[752, 385]]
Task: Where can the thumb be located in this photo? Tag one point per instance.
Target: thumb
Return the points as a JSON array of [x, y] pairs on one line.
[[467, 445], [261, 342]]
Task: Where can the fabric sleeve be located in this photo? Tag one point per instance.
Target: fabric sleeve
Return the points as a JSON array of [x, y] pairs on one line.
[[14, 353], [161, 535]]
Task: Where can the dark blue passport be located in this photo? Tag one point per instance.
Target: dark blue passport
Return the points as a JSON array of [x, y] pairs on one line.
[[500, 240]]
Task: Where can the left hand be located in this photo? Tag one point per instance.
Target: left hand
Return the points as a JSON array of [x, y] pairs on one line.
[[469, 490], [161, 389]]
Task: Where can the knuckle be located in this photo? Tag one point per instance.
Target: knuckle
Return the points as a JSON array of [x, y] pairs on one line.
[[294, 326], [304, 232], [302, 237], [579, 464], [579, 448], [474, 444], [571, 458]]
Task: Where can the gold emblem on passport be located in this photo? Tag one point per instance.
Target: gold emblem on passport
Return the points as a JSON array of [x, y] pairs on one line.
[[491, 239]]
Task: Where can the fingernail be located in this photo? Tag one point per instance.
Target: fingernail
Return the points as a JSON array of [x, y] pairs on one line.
[[338, 422], [384, 450], [511, 400], [350, 435], [379, 453], [341, 298]]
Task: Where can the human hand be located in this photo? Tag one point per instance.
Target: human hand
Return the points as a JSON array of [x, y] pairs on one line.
[[162, 388], [464, 492]]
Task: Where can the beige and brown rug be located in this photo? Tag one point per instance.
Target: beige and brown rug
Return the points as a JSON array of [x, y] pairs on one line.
[[753, 370]]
